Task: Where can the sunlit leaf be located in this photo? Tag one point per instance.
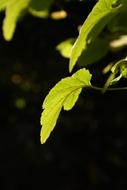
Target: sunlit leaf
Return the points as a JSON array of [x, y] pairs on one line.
[[3, 4], [13, 10], [101, 14], [65, 47], [64, 94]]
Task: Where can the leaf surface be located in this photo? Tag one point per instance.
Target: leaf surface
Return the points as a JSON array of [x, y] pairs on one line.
[[13, 11], [101, 14], [64, 94], [3, 4], [65, 47]]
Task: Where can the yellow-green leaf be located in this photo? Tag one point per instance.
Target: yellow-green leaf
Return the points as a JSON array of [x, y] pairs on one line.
[[3, 4], [71, 99], [64, 94], [13, 10], [101, 14], [65, 47]]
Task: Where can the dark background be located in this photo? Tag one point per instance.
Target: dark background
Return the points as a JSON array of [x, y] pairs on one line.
[[87, 147]]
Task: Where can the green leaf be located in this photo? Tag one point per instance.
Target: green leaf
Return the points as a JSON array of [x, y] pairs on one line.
[[64, 94], [40, 8], [3, 4], [101, 14], [65, 47], [13, 11], [94, 52]]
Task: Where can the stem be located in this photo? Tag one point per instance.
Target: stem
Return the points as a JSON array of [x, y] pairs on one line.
[[109, 89]]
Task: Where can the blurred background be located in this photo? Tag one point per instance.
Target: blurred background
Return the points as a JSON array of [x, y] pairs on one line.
[[88, 147]]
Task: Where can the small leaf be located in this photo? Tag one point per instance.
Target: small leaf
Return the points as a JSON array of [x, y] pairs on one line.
[[64, 94], [65, 47], [13, 10], [101, 14]]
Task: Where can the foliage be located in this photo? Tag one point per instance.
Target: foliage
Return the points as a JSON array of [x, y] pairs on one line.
[[64, 94], [97, 19], [15, 9], [101, 33]]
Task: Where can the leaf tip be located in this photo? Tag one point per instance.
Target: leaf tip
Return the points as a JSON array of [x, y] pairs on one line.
[[41, 134], [42, 137], [8, 30], [42, 140], [70, 67]]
